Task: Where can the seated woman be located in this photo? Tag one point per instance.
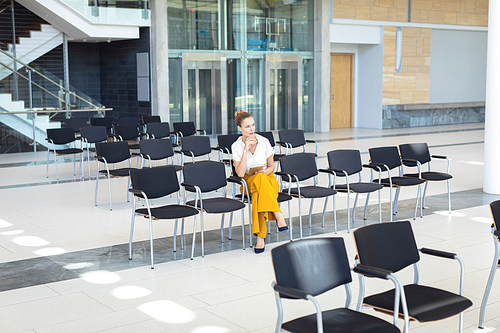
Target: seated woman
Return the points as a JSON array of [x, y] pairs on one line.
[[253, 160]]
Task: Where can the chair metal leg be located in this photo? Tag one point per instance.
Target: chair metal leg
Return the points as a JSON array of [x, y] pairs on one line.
[[334, 213], [175, 235], [354, 208], [131, 233], [425, 191], [416, 203], [55, 162], [202, 237], [390, 200], [109, 190], [449, 196], [222, 228], [366, 203], [324, 213], [290, 222], [310, 212], [379, 208], [151, 240], [48, 153], [487, 290], [242, 226], [96, 185], [128, 186], [88, 161], [194, 236], [300, 218], [396, 200], [182, 234], [250, 223]]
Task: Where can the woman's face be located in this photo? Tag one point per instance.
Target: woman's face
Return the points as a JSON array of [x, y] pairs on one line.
[[247, 127]]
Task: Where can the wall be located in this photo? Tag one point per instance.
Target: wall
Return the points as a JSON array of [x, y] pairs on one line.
[[458, 71], [369, 100], [380, 10], [461, 12], [85, 69]]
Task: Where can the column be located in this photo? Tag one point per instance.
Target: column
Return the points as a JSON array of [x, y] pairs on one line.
[[322, 18], [159, 60], [491, 180]]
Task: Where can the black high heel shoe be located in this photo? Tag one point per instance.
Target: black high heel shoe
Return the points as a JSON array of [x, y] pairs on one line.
[[257, 251], [285, 228]]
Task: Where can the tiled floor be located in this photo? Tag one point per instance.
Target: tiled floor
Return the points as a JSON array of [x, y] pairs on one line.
[[64, 266]]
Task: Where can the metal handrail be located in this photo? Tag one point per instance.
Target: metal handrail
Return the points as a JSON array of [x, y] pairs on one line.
[[54, 111], [45, 77]]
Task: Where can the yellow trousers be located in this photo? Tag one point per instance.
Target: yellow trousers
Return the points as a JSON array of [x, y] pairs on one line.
[[264, 193]]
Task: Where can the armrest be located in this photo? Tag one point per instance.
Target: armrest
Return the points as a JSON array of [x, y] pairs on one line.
[[438, 253], [337, 172], [219, 149], [201, 131], [441, 157], [100, 159], [189, 186], [310, 141], [235, 179], [290, 292], [374, 166], [496, 233], [410, 162], [282, 143], [137, 154], [371, 271], [186, 152], [139, 193]]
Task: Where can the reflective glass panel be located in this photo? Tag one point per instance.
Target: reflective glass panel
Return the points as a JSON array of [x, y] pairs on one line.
[[175, 88], [205, 99]]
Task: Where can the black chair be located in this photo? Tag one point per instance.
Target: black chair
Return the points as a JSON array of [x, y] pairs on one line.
[[345, 163], [386, 159], [111, 153], [195, 146], [75, 124], [224, 143], [209, 176], [294, 138], [155, 150], [106, 122], [186, 128], [419, 153], [310, 267], [128, 133], [151, 119], [495, 230], [391, 247], [62, 136], [270, 137], [158, 130], [153, 183], [300, 167], [91, 135]]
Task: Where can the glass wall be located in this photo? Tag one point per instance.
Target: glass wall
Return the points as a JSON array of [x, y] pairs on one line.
[[244, 31]]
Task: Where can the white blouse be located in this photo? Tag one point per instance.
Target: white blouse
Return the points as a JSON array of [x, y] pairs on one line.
[[258, 158]]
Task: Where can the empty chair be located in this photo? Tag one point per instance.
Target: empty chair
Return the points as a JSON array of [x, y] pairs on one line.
[[310, 267], [391, 247], [151, 119], [416, 155], [386, 159], [294, 138], [298, 168], [205, 177], [110, 153], [495, 230], [195, 146], [186, 128], [158, 130], [106, 122], [155, 150], [224, 143], [345, 163], [270, 137], [156, 183], [62, 136], [75, 123], [129, 133], [91, 135]]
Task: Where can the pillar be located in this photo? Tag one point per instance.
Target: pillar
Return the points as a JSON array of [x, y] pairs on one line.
[[322, 17], [159, 60], [491, 180]]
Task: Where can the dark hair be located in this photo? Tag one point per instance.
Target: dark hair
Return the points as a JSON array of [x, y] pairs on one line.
[[241, 115]]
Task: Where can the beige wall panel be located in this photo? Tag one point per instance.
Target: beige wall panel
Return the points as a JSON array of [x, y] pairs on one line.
[[388, 69], [470, 6], [404, 82], [421, 97], [406, 98], [425, 32], [411, 32], [389, 98], [389, 30], [377, 3], [389, 45], [482, 6], [424, 16], [420, 46], [412, 69], [478, 19], [414, 61], [387, 3], [388, 82], [436, 5], [343, 11], [426, 47], [393, 14], [402, 14], [464, 19], [421, 5], [436, 17], [422, 81], [453, 6], [400, 3], [425, 69], [427, 61], [379, 13], [450, 18], [362, 12], [415, 15], [409, 46], [390, 59], [345, 2], [368, 3]]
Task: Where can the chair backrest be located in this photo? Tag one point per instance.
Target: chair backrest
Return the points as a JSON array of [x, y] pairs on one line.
[[126, 132], [151, 119], [127, 121], [303, 165], [106, 122], [155, 182], [61, 136], [75, 123], [94, 134], [386, 155], [186, 128], [157, 149], [113, 152], [269, 136], [415, 151], [345, 159], [293, 136], [199, 145], [312, 265], [389, 246], [158, 130], [207, 175], [226, 141], [495, 212]]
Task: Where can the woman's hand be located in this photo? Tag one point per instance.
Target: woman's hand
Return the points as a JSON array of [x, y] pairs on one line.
[[250, 142]]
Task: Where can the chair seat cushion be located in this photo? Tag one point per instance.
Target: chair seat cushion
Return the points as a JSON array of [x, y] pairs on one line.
[[168, 212], [312, 191], [68, 151], [341, 321], [401, 181], [431, 175], [424, 303], [277, 157], [359, 187], [123, 172], [219, 205]]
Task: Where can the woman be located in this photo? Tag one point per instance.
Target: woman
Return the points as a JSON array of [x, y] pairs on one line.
[[254, 161]]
